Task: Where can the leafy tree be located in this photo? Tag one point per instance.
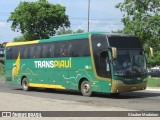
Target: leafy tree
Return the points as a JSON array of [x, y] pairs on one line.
[[141, 18], [39, 19], [1, 46], [79, 31], [19, 39], [118, 31], [62, 31], [68, 31]]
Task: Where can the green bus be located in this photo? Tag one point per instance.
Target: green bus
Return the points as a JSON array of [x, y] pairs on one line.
[[88, 62]]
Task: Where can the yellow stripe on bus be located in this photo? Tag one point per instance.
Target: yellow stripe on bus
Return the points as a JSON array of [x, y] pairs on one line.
[[46, 86], [22, 43]]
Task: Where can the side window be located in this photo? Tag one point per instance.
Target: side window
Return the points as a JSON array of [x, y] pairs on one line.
[[32, 51], [25, 50], [45, 50], [37, 52], [9, 52], [79, 48], [51, 50], [20, 50], [14, 52], [70, 47], [99, 43], [84, 51], [61, 49], [74, 49]]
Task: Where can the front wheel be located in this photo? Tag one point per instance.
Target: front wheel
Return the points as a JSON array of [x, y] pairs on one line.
[[85, 88], [25, 84]]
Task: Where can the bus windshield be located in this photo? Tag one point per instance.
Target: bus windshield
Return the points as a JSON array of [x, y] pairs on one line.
[[129, 63]]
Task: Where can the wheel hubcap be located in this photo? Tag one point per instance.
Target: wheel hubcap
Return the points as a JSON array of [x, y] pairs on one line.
[[25, 84], [86, 88]]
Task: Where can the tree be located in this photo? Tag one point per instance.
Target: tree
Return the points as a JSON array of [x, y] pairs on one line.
[[79, 31], [118, 31], [141, 18], [1, 46], [37, 20], [68, 31], [19, 39], [62, 31]]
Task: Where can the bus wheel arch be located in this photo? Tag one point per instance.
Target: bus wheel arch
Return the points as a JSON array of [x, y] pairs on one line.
[[85, 87], [25, 83]]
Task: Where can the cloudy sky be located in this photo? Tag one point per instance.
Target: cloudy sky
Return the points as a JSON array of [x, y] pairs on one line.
[[103, 15]]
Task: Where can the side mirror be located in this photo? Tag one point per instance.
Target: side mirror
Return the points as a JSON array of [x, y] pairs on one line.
[[114, 52], [151, 52]]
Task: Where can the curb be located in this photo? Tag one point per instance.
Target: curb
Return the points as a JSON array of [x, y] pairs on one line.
[[153, 89]]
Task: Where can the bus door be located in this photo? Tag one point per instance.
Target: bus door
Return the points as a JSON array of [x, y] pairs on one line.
[[103, 69], [104, 65], [101, 61]]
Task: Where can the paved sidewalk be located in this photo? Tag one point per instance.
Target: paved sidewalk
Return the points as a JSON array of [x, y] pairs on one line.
[[17, 102], [153, 88]]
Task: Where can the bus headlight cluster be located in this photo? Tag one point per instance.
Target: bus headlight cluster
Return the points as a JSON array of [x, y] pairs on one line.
[[144, 80], [118, 81], [121, 72]]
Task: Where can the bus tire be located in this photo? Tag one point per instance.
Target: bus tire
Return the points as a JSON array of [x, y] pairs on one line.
[[25, 83], [86, 88]]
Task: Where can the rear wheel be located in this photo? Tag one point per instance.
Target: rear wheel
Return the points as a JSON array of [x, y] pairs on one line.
[[85, 88], [25, 84]]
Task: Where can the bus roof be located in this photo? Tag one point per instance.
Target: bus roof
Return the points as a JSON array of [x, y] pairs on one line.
[[57, 38], [66, 37], [72, 36]]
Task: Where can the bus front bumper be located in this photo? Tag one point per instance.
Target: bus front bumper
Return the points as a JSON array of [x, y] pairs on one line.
[[121, 87]]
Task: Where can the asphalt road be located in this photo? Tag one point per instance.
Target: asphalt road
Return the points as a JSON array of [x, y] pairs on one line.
[[147, 100]]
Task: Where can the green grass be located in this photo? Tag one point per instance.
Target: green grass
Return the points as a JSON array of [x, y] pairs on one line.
[[153, 82], [1, 76], [1, 69]]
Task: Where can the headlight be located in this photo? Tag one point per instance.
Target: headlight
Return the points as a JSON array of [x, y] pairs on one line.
[[144, 80], [118, 81], [121, 73]]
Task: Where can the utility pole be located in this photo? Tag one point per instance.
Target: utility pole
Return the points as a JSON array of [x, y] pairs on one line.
[[88, 13]]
